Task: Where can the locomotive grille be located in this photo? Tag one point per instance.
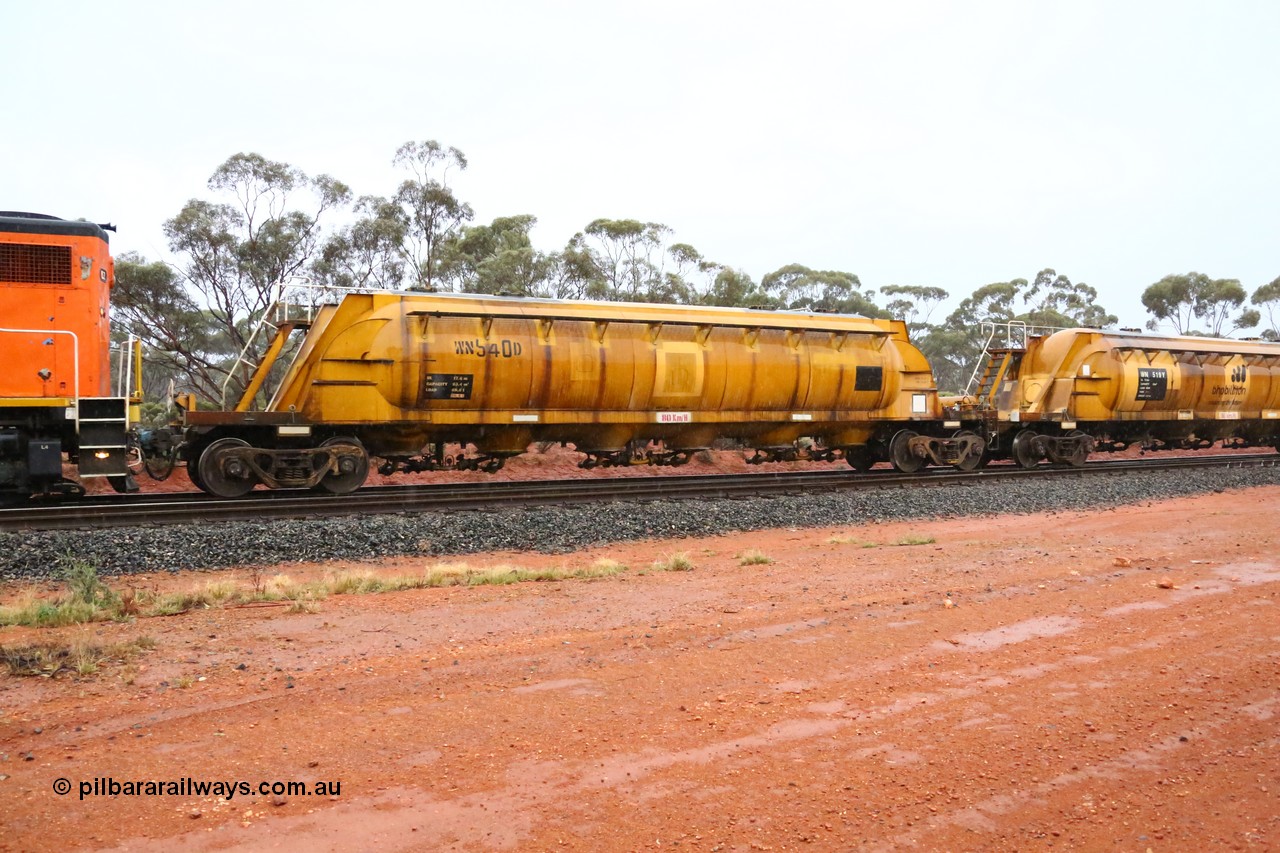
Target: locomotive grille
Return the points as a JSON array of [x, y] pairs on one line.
[[25, 264]]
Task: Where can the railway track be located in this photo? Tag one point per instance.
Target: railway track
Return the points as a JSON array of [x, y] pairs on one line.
[[106, 511]]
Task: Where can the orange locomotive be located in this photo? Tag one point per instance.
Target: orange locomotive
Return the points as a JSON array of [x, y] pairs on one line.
[[55, 357]]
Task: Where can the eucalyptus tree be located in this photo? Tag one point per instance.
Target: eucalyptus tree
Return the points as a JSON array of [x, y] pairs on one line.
[[626, 261], [368, 253], [797, 287], [955, 346], [201, 312], [1221, 307], [1172, 300], [913, 304], [498, 258], [632, 261], [180, 340], [734, 288], [1267, 298], [1185, 301], [1053, 300], [432, 214], [572, 272], [691, 276]]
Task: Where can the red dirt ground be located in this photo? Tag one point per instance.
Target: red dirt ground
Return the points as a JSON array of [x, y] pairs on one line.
[[1088, 681]]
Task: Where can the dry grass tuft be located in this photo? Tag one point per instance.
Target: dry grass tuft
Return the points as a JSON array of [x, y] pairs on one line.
[[673, 563], [81, 656], [89, 600], [850, 540]]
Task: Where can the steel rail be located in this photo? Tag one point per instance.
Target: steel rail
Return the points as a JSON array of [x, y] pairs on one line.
[[107, 511]]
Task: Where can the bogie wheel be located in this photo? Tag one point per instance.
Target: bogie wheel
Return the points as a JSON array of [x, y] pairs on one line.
[[900, 452], [859, 458], [353, 466], [973, 461], [1078, 459], [1023, 452], [193, 474], [221, 473]]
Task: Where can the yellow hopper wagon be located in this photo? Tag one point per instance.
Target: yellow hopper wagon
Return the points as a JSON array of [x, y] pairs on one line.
[[1061, 395], [398, 377]]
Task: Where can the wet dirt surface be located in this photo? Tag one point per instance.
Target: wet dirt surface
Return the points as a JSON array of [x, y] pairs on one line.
[[1090, 681]]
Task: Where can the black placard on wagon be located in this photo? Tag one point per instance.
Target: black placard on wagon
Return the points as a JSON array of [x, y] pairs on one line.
[[867, 378], [447, 386], [1153, 383]]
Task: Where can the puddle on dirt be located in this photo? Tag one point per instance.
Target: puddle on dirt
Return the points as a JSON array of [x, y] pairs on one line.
[[767, 631], [1034, 670], [794, 686], [1134, 607], [1263, 711], [1249, 574], [1019, 632], [559, 684], [834, 707], [422, 759]]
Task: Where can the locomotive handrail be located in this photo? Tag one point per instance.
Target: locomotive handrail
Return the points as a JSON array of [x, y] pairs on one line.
[[129, 383], [75, 359]]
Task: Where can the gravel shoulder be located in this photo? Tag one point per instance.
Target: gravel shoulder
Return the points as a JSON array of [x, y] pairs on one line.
[[1067, 676]]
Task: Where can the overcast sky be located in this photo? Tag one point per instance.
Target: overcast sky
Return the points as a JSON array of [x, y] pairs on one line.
[[929, 143]]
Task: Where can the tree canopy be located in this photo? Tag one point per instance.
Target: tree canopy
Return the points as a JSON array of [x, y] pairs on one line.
[[1267, 298], [1193, 303], [198, 314]]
